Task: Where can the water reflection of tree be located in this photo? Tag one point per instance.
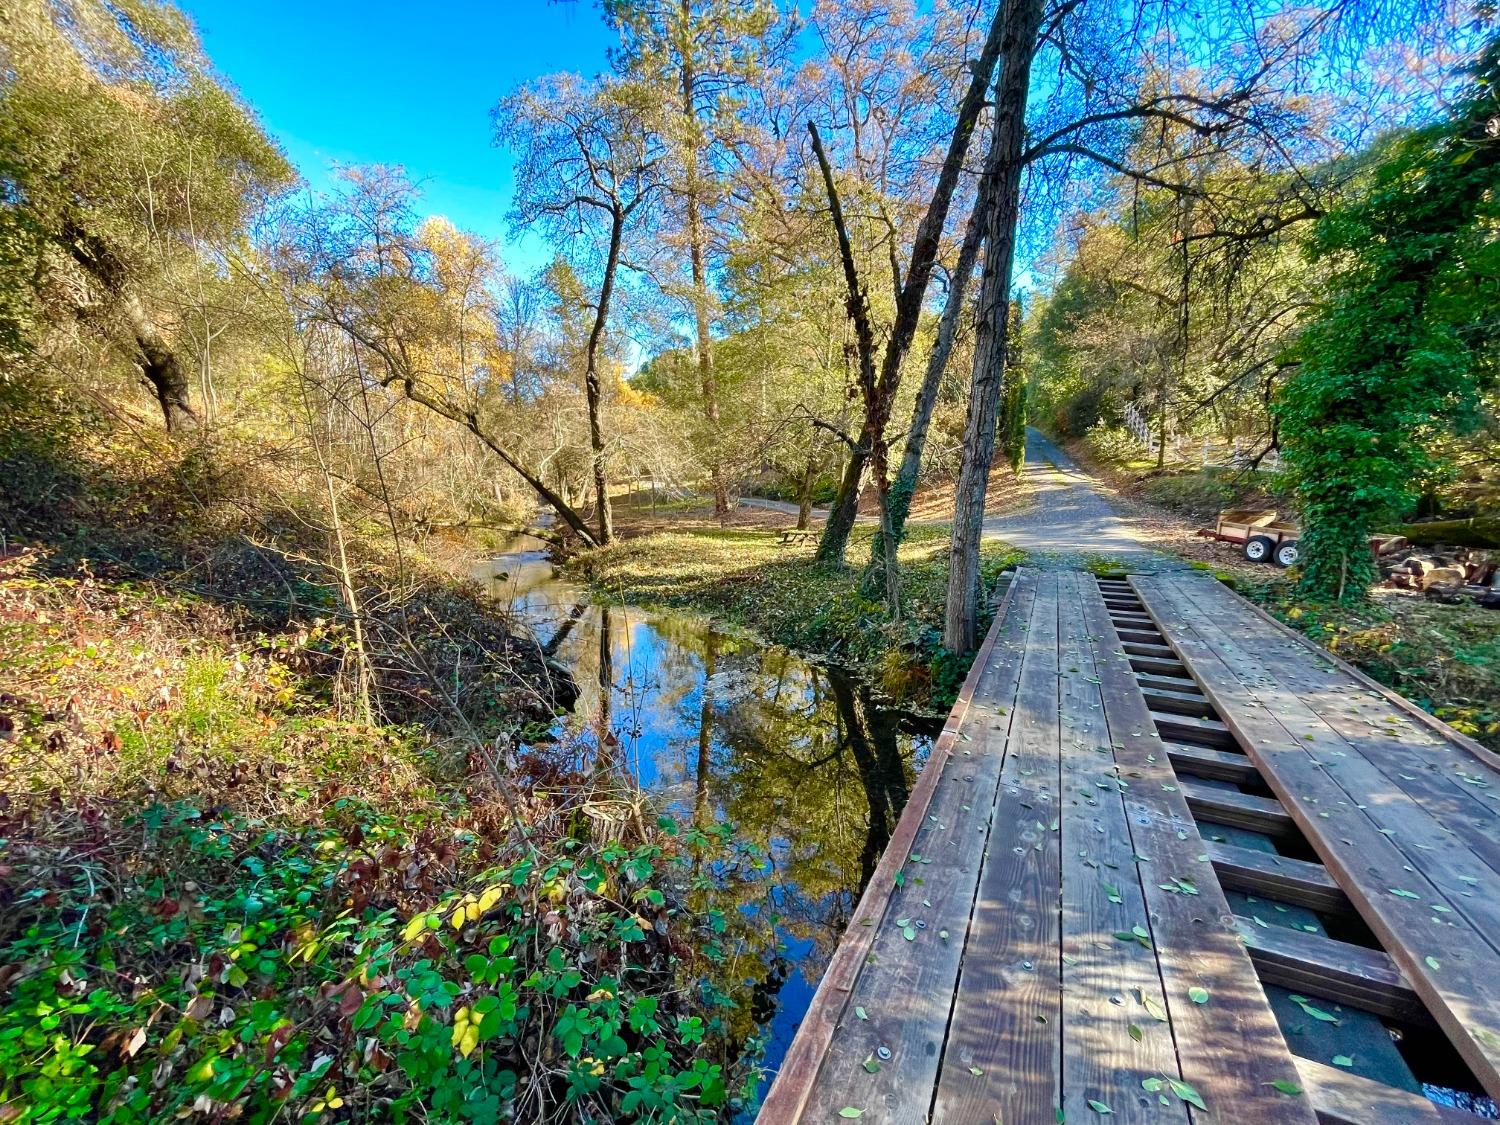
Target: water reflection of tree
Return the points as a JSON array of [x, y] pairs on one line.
[[814, 776], [810, 772]]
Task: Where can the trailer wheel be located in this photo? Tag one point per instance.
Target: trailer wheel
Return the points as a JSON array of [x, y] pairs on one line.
[[1259, 548], [1286, 554]]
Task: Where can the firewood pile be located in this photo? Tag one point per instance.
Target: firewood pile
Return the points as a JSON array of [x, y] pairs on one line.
[[1445, 574]]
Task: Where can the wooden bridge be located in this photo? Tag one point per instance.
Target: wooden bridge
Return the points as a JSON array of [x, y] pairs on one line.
[[1169, 862]]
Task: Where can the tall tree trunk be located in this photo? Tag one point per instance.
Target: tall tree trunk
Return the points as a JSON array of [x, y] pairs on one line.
[[880, 396], [697, 258], [592, 392], [905, 485], [856, 302], [1002, 170]]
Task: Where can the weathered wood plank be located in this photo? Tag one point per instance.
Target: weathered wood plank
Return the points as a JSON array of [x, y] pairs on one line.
[[1425, 828], [1341, 1098], [1294, 881], [1346, 974], [1178, 685], [1221, 765], [1177, 702], [1229, 1049], [1104, 979], [1462, 793], [1157, 667], [1205, 732], [1360, 836], [1238, 810], [1002, 1057], [1136, 648], [951, 780]]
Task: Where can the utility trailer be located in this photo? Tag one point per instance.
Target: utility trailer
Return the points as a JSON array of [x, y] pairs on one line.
[[1258, 532]]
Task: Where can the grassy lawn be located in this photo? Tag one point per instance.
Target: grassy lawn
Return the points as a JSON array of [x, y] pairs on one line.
[[748, 577]]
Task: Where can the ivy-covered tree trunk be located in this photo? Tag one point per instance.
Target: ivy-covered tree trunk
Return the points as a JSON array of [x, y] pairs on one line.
[[1002, 169], [1391, 358], [905, 484]]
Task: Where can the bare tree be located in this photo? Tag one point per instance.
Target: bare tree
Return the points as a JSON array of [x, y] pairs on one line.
[[359, 265], [588, 157], [878, 390]]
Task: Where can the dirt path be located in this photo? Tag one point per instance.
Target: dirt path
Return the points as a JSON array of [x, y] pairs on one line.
[[1062, 517], [1068, 519]]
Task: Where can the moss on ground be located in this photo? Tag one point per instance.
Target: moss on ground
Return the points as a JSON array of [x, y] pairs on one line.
[[752, 579]]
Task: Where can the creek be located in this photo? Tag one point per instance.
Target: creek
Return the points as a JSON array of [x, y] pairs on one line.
[[798, 756]]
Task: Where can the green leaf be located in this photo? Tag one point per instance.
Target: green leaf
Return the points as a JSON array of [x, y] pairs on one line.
[[976, 1071], [1399, 893], [851, 1111], [1315, 1012], [1291, 1089], [1198, 995], [1136, 1033], [1187, 1093], [871, 1065], [1433, 963], [1342, 1060], [1099, 1107], [860, 1012]]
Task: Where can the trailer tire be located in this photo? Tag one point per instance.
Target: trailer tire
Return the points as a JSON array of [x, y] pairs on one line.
[[1259, 548], [1286, 554]]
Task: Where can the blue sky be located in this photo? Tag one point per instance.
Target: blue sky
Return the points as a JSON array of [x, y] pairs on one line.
[[410, 84]]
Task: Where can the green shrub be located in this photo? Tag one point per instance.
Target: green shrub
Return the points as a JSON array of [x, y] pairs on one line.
[[1113, 443], [356, 969]]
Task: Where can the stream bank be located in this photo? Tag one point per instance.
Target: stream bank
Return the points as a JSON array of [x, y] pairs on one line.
[[751, 578], [720, 728]]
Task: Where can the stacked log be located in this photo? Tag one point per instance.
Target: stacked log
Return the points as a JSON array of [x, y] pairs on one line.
[[1447, 574]]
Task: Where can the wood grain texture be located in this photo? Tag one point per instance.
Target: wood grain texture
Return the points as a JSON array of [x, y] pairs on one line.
[[1002, 1056], [1293, 881], [1109, 985], [1221, 765], [1462, 794], [1230, 1048], [1238, 810], [991, 681], [1346, 974], [1341, 1098], [1375, 840]]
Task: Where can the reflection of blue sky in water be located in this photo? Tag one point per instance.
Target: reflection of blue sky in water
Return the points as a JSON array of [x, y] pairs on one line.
[[794, 756]]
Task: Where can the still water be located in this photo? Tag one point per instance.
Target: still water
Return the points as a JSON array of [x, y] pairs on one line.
[[809, 770]]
